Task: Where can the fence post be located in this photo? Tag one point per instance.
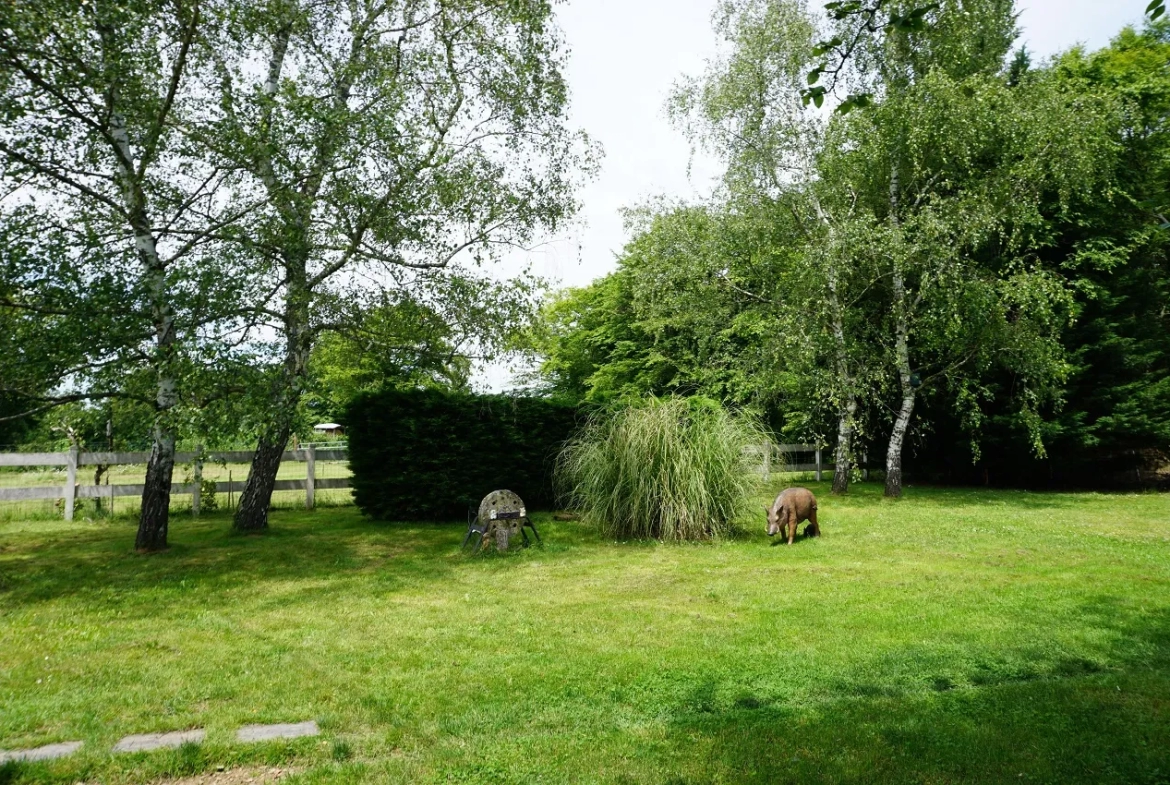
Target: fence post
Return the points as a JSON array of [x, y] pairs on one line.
[[310, 476], [818, 464], [197, 475], [766, 468], [71, 481], [865, 466]]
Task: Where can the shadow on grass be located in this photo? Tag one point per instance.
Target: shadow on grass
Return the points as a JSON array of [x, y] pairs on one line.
[[1078, 722], [937, 496], [320, 549], [865, 494]]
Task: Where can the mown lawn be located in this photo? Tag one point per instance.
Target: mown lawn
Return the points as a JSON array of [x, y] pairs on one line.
[[954, 636]]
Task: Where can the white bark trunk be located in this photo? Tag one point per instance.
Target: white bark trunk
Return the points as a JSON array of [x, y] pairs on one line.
[[902, 422], [156, 494], [845, 382], [901, 357], [844, 454], [296, 253]]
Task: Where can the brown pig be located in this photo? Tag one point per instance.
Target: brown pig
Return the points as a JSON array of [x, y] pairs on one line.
[[792, 506]]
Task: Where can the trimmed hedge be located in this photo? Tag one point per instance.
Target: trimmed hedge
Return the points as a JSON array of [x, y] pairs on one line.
[[430, 455]]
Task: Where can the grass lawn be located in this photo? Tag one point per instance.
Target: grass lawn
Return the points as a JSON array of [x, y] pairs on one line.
[[953, 636]]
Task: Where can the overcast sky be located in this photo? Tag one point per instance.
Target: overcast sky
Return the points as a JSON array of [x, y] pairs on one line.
[[626, 55]]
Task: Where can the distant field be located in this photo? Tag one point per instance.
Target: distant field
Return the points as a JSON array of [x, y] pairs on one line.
[[955, 636]]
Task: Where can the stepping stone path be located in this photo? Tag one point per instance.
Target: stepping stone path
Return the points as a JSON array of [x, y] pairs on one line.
[[267, 732], [47, 752], [158, 741]]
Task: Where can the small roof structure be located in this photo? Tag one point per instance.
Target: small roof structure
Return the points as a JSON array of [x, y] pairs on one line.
[[327, 426]]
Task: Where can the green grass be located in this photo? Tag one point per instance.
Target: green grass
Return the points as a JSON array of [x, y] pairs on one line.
[[954, 636]]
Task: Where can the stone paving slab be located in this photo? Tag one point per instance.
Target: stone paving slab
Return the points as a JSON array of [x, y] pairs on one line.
[[285, 731], [158, 741], [47, 752]]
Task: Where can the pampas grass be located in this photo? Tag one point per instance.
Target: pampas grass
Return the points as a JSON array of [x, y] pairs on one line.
[[664, 468]]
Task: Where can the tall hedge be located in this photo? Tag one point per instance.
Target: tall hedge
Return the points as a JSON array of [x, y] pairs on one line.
[[430, 455]]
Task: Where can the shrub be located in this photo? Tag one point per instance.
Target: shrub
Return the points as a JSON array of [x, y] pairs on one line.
[[665, 468], [430, 455], [207, 498]]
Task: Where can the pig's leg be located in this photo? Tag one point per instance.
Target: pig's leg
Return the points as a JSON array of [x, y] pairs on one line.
[[791, 526], [813, 525]]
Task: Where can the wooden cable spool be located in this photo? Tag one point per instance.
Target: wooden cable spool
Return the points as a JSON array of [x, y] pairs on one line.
[[501, 516]]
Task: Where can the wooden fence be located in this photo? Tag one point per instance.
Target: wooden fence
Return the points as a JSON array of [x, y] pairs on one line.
[[74, 459], [782, 458]]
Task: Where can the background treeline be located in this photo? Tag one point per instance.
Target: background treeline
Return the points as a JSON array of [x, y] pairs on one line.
[[971, 265]]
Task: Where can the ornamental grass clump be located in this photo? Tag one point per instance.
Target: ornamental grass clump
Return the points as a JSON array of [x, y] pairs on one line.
[[664, 468]]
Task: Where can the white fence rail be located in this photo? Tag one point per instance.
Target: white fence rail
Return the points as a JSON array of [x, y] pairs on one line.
[[70, 491]]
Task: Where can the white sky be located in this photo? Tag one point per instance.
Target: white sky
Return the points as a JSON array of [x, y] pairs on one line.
[[626, 55]]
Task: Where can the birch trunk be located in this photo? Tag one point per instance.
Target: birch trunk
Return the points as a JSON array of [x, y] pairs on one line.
[[295, 213], [902, 359], [154, 517], [902, 422], [843, 458], [844, 455], [256, 498], [156, 492]]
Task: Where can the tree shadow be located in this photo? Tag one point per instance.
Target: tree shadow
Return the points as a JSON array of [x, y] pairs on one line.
[[321, 552], [1028, 500], [934, 496], [1072, 721]]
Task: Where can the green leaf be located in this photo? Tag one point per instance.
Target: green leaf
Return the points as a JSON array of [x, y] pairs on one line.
[[814, 94], [907, 24], [912, 22], [840, 11], [826, 46], [855, 101], [815, 74]]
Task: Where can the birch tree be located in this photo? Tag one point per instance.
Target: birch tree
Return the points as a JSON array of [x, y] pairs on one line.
[[747, 109], [91, 94], [953, 163], [389, 141], [927, 194]]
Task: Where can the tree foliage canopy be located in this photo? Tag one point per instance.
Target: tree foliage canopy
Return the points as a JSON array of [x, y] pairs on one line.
[[979, 234]]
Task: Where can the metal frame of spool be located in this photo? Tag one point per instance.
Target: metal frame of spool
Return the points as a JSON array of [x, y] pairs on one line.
[[483, 527]]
